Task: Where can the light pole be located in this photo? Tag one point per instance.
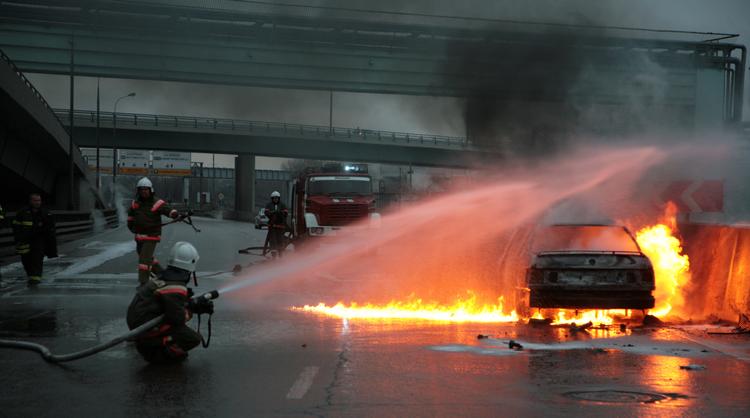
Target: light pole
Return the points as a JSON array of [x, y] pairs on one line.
[[98, 143], [114, 146]]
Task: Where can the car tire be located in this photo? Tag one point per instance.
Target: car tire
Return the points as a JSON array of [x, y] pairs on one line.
[[257, 226]]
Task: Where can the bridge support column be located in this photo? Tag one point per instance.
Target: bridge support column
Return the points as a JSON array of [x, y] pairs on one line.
[[244, 186], [64, 193]]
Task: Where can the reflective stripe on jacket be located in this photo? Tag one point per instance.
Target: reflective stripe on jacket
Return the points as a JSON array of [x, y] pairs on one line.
[[144, 218]]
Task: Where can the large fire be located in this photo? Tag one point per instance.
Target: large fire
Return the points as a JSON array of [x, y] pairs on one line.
[[671, 266], [658, 242], [462, 310]]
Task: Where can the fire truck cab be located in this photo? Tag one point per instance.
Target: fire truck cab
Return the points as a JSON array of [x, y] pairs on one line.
[[329, 199]]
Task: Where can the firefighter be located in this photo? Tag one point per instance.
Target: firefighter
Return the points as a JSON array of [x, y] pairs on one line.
[[144, 220], [34, 232], [168, 295], [276, 213]]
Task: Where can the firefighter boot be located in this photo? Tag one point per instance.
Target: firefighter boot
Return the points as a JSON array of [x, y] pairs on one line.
[[33, 281]]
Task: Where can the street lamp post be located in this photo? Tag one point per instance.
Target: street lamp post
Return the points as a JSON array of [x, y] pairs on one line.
[[114, 145], [98, 142]]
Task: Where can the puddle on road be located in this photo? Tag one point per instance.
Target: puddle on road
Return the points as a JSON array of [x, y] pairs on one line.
[[633, 344], [26, 323], [622, 396]]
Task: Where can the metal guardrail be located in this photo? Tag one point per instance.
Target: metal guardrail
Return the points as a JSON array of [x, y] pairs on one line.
[[250, 127], [28, 84], [69, 225]]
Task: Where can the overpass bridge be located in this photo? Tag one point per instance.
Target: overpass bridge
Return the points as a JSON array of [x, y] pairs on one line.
[[247, 43], [273, 139], [35, 147]]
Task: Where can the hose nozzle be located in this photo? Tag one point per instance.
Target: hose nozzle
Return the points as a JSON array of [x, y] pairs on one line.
[[210, 295]]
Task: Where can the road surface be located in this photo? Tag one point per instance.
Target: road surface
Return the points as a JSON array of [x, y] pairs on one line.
[[265, 360]]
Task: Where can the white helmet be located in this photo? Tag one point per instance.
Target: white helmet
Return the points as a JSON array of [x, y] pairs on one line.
[[275, 194], [183, 256], [145, 182]]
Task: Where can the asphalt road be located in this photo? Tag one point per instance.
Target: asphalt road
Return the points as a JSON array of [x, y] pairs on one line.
[[265, 360]]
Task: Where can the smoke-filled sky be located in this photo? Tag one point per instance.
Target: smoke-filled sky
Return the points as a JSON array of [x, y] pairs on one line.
[[392, 112]]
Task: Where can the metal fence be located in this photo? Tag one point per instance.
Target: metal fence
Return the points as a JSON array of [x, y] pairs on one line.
[[248, 127]]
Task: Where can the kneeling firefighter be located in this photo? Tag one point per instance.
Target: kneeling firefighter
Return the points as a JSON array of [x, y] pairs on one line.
[[169, 295]]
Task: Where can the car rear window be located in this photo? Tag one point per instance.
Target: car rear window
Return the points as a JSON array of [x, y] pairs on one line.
[[583, 238]]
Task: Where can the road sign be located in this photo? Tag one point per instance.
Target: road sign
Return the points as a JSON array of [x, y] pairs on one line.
[[171, 163], [133, 161], [695, 196], [105, 159]]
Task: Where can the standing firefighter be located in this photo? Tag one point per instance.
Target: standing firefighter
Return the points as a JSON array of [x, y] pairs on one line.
[[34, 232], [276, 213], [144, 220], [168, 295]]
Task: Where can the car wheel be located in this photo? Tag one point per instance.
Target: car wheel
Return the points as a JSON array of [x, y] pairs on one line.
[[257, 226]]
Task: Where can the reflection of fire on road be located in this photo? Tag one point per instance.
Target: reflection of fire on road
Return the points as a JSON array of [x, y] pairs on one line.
[[658, 242]]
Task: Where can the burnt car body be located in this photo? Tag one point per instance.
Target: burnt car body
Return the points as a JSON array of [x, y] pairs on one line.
[[589, 267]]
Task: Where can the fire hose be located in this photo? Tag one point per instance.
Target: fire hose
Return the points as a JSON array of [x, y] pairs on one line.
[[184, 218], [202, 300], [266, 248]]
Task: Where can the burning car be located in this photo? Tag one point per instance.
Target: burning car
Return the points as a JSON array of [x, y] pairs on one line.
[[589, 267]]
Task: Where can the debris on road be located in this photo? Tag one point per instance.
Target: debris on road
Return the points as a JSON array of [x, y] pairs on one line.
[[514, 345], [535, 322], [693, 367], [652, 321], [482, 337], [735, 331], [583, 327]]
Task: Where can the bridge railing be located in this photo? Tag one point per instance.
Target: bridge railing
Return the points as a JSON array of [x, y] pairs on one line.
[[261, 128], [28, 84]]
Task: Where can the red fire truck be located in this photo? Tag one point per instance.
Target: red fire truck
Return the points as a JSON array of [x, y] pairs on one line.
[[329, 199]]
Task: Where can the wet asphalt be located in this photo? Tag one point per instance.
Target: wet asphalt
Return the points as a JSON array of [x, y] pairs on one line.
[[265, 360]]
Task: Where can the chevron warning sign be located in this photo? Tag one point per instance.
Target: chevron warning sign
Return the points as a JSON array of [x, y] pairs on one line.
[[695, 196]]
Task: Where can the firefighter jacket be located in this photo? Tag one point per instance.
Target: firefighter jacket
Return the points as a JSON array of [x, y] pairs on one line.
[[167, 295], [276, 214], [35, 228], [144, 218]]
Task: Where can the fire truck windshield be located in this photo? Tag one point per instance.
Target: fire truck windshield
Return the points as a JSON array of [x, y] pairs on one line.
[[339, 185]]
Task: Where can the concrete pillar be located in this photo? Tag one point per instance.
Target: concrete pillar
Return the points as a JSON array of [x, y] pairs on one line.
[[244, 186], [62, 193]]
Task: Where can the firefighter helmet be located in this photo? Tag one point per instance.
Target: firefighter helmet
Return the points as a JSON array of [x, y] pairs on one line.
[[145, 183], [183, 256], [275, 194]]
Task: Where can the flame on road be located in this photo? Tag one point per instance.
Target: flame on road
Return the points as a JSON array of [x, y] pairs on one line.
[[596, 317], [462, 310]]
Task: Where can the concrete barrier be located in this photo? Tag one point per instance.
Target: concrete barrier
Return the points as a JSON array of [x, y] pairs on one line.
[[720, 267], [70, 226]]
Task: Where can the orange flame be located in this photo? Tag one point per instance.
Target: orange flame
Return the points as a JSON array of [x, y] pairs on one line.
[[462, 310], [671, 266], [596, 317], [658, 243]]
